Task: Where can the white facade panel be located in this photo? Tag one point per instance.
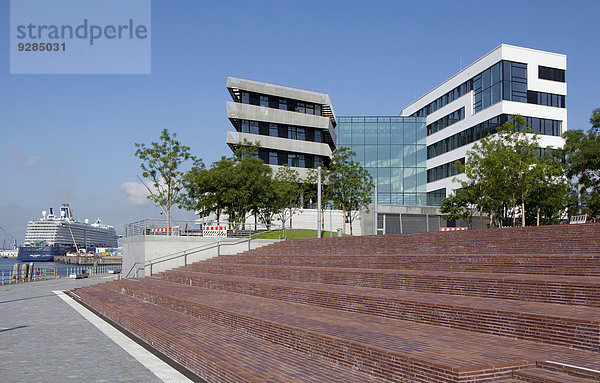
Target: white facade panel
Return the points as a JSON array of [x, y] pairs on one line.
[[275, 116], [279, 143]]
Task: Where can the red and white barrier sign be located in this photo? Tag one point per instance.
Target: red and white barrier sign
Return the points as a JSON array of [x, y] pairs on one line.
[[214, 231], [578, 219], [452, 228], [164, 229]]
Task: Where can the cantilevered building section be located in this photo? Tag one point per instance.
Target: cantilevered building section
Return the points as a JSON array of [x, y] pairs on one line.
[[294, 127], [507, 81]]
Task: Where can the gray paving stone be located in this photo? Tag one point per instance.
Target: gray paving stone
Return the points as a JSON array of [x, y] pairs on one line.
[[42, 339]]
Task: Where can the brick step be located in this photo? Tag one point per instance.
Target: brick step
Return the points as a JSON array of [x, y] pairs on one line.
[[361, 341], [571, 369], [575, 290], [559, 239], [577, 327], [522, 264], [210, 351], [540, 375]]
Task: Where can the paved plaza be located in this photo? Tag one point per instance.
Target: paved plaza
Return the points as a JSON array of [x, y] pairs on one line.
[[44, 339]]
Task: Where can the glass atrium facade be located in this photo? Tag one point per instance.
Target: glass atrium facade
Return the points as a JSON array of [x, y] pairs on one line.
[[394, 151]]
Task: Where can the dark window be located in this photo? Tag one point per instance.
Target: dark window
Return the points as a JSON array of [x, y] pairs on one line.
[[264, 101], [273, 158], [245, 98], [552, 74], [318, 136], [282, 104], [273, 130]]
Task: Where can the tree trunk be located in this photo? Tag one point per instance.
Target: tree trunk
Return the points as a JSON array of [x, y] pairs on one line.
[[168, 222], [538, 216], [350, 219], [481, 217], [344, 221], [514, 211], [491, 219], [523, 213]]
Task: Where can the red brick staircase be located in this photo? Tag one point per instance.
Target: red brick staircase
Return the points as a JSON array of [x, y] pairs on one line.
[[506, 305]]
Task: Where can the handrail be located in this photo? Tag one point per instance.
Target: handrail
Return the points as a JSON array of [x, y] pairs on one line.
[[195, 250]]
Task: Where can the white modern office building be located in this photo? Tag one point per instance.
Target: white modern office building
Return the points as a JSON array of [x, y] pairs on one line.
[[294, 127], [507, 81]]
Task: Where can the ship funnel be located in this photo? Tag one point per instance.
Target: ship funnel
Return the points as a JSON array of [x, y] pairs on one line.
[[44, 214], [51, 211], [65, 211]]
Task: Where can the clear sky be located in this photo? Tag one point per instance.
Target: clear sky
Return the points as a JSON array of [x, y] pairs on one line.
[[70, 138]]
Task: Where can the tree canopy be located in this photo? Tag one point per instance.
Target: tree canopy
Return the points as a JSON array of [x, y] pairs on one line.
[[582, 155], [351, 185], [162, 164], [509, 173]]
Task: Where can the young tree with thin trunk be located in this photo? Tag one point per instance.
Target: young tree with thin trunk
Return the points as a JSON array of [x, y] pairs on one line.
[[351, 184], [161, 164]]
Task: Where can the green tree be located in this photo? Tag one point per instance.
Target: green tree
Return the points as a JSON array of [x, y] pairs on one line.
[[351, 184], [161, 164], [506, 169], [287, 192], [461, 204], [237, 186], [582, 156]]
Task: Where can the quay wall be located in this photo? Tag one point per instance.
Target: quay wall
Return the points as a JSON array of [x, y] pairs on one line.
[[86, 260]]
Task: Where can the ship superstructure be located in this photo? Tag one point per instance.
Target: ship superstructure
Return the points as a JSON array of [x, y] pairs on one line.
[[56, 235]]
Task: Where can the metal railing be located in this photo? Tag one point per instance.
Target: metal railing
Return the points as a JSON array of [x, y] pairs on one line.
[[266, 234], [155, 227], [7, 276]]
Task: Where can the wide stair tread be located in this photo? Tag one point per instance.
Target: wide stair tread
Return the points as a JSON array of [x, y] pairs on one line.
[[395, 337], [540, 375], [241, 357], [574, 290], [576, 326]]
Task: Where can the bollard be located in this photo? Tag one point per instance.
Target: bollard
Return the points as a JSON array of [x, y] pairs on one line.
[[24, 271], [15, 273]]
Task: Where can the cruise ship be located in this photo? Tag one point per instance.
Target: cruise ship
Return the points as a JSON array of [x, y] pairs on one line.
[[57, 235]]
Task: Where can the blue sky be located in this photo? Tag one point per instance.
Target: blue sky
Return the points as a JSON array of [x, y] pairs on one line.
[[70, 138]]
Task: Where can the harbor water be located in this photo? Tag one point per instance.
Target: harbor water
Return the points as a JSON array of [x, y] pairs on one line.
[[47, 270]]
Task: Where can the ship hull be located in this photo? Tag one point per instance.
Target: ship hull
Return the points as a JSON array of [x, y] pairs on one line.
[[41, 253]]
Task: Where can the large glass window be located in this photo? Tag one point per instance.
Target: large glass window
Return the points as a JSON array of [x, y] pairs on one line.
[[254, 127], [273, 130], [245, 98]]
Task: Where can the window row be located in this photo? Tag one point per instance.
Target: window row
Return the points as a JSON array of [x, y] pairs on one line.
[[477, 132], [552, 74], [435, 198], [297, 160], [398, 180], [446, 170], [385, 156], [447, 98], [282, 131], [358, 133], [506, 80], [548, 99], [446, 121], [406, 199], [280, 103]]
